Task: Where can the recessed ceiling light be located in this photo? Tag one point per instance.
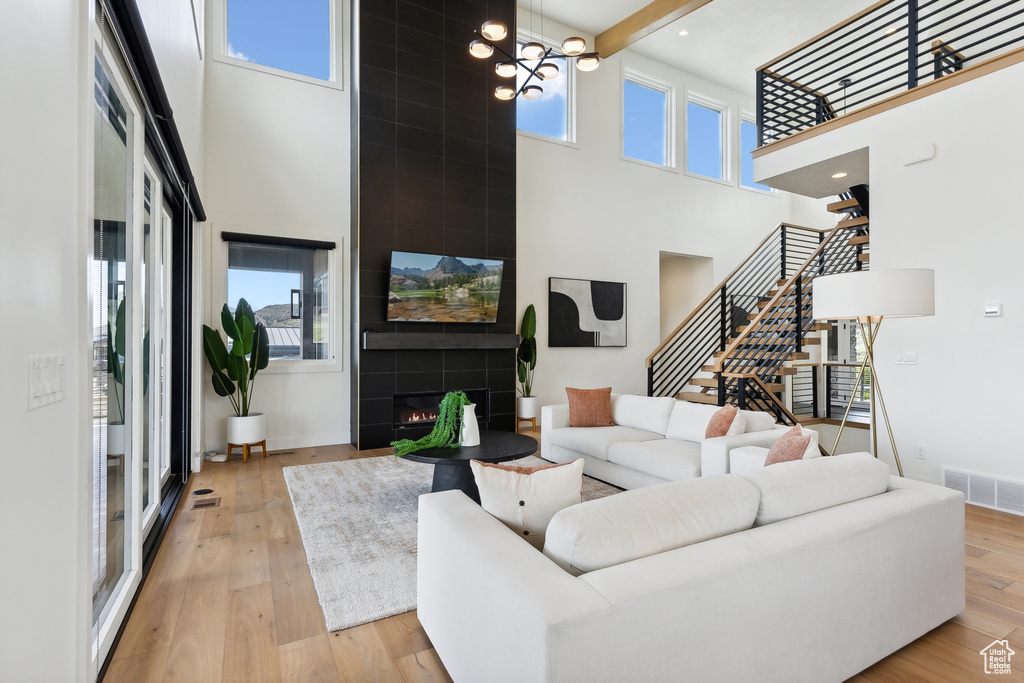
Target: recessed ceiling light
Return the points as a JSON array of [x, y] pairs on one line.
[[841, 174], [683, 32]]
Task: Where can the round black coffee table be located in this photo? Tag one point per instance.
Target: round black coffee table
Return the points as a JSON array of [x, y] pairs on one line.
[[451, 465]]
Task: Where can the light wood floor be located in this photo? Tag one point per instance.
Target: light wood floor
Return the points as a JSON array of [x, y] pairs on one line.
[[230, 598]]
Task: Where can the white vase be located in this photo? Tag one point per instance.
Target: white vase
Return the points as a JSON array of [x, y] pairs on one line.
[[528, 407], [115, 438], [470, 428], [247, 430]]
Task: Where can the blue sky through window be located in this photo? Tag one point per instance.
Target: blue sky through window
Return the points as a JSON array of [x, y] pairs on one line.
[[261, 287], [748, 143], [548, 115], [293, 36], [703, 140], [643, 123]]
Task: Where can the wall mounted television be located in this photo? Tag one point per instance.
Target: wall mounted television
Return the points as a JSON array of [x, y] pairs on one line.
[[444, 289]]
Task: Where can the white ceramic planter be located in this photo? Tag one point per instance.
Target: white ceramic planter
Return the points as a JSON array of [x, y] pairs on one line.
[[115, 439], [529, 406], [470, 427], [243, 430]]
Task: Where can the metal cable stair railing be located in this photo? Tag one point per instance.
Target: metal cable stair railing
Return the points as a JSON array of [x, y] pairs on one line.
[[685, 351], [764, 340]]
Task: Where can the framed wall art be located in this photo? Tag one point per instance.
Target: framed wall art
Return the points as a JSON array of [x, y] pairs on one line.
[[586, 312]]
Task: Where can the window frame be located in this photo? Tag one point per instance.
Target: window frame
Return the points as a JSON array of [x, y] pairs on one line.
[[219, 293], [749, 118], [664, 87], [335, 81], [724, 132], [569, 69]]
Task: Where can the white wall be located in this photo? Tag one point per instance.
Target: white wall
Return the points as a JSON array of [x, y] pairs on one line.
[[277, 162], [44, 513], [587, 213], [957, 214]]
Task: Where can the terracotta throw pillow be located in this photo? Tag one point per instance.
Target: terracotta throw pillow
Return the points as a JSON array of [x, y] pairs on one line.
[[727, 420], [526, 498], [790, 446], [590, 407]]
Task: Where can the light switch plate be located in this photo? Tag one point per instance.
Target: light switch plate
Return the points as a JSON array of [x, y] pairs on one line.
[[46, 379]]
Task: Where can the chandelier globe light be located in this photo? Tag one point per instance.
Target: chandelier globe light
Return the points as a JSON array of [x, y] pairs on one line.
[[534, 63]]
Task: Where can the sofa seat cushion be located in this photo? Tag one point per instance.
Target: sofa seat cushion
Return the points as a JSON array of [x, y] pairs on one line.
[[669, 459], [594, 441], [789, 489], [642, 522]]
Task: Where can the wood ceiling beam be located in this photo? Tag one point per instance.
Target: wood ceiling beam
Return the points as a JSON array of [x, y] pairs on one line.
[[642, 23]]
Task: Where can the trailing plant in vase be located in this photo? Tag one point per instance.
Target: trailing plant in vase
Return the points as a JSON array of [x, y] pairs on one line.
[[447, 429], [526, 356], [250, 352]]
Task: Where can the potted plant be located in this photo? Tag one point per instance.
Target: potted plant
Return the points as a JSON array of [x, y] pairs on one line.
[[526, 363], [115, 366], [235, 369]]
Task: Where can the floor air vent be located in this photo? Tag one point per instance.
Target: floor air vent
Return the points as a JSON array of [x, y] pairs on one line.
[[991, 492], [203, 503]]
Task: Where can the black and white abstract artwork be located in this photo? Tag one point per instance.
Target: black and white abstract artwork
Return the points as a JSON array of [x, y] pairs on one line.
[[586, 312]]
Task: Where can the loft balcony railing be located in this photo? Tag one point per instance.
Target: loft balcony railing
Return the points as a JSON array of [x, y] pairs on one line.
[[890, 47]]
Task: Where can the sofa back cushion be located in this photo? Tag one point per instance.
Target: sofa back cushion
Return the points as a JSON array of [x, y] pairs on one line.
[[642, 412], [646, 521], [758, 420], [689, 421], [789, 489]]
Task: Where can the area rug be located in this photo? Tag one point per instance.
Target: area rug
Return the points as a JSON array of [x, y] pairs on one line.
[[358, 525]]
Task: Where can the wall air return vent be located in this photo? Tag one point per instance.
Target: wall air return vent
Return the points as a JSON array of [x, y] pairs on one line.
[[990, 492]]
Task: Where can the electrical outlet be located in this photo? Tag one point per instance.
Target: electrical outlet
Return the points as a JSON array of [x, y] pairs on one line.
[[919, 452]]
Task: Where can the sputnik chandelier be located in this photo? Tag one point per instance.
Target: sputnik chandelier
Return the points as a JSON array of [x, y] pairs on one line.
[[534, 60]]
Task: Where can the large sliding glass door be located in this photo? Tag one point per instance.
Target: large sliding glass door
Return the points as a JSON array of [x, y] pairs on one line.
[[129, 294], [112, 288]]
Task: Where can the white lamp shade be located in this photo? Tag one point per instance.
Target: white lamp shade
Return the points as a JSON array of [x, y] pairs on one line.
[[480, 49], [573, 46], [506, 69], [505, 92], [547, 70], [533, 92], [903, 293], [494, 30], [532, 50], [588, 62]]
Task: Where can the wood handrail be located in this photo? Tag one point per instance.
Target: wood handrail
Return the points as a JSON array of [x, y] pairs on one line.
[[775, 300], [771, 397], [826, 32], [718, 288]]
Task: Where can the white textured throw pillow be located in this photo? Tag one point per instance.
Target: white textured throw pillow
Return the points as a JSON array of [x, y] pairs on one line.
[[526, 498]]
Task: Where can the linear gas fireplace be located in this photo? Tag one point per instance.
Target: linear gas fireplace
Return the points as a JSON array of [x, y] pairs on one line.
[[420, 408]]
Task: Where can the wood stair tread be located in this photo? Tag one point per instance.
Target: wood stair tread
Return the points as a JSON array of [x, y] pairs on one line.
[[853, 222], [859, 239], [864, 258], [770, 341], [796, 355], [844, 206], [697, 397]]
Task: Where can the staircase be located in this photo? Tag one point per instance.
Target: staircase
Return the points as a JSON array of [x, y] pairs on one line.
[[741, 342]]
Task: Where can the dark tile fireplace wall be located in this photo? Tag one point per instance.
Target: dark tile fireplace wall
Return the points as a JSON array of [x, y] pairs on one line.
[[437, 174]]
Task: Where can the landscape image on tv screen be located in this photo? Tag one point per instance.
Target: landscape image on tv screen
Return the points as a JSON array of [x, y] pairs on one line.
[[446, 289]]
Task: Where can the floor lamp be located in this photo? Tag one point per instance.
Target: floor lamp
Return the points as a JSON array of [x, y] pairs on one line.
[[868, 296]]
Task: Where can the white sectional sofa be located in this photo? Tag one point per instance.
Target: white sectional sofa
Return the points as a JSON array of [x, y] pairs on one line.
[[654, 440], [835, 566]]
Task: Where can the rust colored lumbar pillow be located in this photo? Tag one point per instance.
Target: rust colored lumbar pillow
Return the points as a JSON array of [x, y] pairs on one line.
[[790, 446], [726, 420], [590, 407]]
